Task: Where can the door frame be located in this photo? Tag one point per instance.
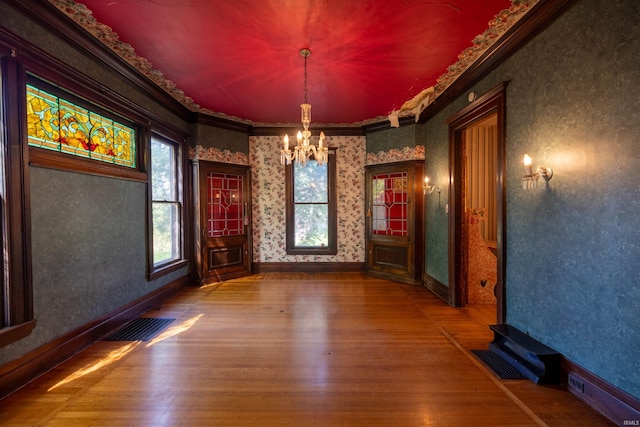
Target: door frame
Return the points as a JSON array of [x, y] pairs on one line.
[[492, 102], [199, 233]]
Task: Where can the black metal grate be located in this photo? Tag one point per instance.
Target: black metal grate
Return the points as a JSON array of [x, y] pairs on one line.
[[497, 364], [140, 329]]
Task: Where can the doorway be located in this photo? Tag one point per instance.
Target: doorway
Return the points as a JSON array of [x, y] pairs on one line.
[[477, 209], [223, 223]]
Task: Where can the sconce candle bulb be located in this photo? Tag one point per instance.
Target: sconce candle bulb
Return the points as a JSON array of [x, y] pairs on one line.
[[428, 189], [530, 179]]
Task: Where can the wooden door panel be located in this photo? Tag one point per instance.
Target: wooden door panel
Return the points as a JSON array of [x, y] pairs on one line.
[[224, 200]]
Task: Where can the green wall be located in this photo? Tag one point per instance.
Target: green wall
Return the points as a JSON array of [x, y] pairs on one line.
[[398, 138], [223, 139], [572, 271]]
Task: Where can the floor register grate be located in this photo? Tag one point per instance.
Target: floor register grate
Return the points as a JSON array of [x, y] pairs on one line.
[[497, 364], [140, 329]]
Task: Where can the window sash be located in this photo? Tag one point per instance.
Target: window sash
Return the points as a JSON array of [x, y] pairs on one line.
[[166, 204], [311, 224]]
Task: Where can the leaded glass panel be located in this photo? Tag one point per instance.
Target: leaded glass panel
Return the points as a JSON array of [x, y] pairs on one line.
[[56, 124], [389, 207], [225, 205]]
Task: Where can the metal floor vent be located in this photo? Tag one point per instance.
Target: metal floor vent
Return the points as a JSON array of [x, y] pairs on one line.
[[497, 364], [140, 329]]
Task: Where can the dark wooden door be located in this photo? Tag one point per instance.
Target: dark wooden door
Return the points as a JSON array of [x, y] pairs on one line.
[[395, 221], [224, 221]]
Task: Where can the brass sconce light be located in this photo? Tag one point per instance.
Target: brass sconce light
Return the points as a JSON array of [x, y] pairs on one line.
[[530, 179], [428, 189]]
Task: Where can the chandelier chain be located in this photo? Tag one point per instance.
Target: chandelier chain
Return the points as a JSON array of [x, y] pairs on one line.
[[306, 100], [304, 149]]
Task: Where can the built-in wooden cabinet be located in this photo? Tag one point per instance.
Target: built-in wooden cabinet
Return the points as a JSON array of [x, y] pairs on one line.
[[395, 221]]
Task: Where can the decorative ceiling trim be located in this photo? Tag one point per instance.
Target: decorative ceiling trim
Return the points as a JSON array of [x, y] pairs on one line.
[[498, 26]]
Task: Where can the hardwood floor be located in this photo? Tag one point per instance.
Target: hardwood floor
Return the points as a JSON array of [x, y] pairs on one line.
[[334, 349]]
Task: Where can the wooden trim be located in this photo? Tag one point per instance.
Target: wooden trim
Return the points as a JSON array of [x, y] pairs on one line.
[[60, 25], [436, 287], [534, 22], [308, 267], [178, 143], [494, 101], [14, 333], [168, 268], [24, 369], [332, 206], [16, 298], [602, 396], [66, 162], [537, 19], [220, 122]]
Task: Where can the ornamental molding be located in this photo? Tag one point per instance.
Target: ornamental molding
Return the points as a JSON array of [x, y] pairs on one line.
[[499, 25]]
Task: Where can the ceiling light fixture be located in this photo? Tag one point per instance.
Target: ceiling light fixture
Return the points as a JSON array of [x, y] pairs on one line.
[[304, 149]]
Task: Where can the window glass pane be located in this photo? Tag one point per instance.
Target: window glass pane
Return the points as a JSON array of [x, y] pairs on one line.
[[57, 124], [166, 220], [311, 225], [310, 183], [163, 163]]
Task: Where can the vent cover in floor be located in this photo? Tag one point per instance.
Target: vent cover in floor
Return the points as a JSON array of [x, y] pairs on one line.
[[497, 364], [140, 329]]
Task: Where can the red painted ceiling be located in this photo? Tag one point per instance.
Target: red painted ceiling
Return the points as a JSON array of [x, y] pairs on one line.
[[241, 57]]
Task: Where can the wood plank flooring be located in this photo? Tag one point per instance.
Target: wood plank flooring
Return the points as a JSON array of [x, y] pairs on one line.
[[334, 349]]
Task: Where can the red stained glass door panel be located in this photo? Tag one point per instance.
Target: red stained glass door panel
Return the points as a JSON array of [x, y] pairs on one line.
[[224, 221]]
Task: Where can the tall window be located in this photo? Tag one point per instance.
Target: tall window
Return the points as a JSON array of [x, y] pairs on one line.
[[166, 204], [311, 208]]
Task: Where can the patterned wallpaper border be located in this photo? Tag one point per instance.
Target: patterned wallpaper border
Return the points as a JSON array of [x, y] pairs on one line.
[[214, 155], [396, 155]]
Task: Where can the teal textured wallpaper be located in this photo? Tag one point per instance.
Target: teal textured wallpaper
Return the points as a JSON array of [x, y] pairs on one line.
[[88, 242], [222, 139], [405, 136], [573, 277]]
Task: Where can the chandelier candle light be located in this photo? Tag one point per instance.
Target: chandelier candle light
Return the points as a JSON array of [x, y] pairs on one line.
[[304, 149]]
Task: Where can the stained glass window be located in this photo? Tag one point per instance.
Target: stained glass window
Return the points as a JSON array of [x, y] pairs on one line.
[[56, 124]]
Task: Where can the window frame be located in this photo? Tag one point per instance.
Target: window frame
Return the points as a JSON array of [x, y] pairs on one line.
[[157, 270], [332, 246], [16, 293]]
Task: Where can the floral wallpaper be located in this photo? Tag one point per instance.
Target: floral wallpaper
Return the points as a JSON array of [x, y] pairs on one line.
[[396, 155], [268, 190], [215, 155]]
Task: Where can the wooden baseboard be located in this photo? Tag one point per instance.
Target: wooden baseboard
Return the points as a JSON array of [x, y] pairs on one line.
[[308, 267], [436, 287], [610, 401], [19, 372]]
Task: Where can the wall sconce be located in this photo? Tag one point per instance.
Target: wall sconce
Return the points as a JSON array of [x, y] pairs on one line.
[[428, 189], [530, 179]]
